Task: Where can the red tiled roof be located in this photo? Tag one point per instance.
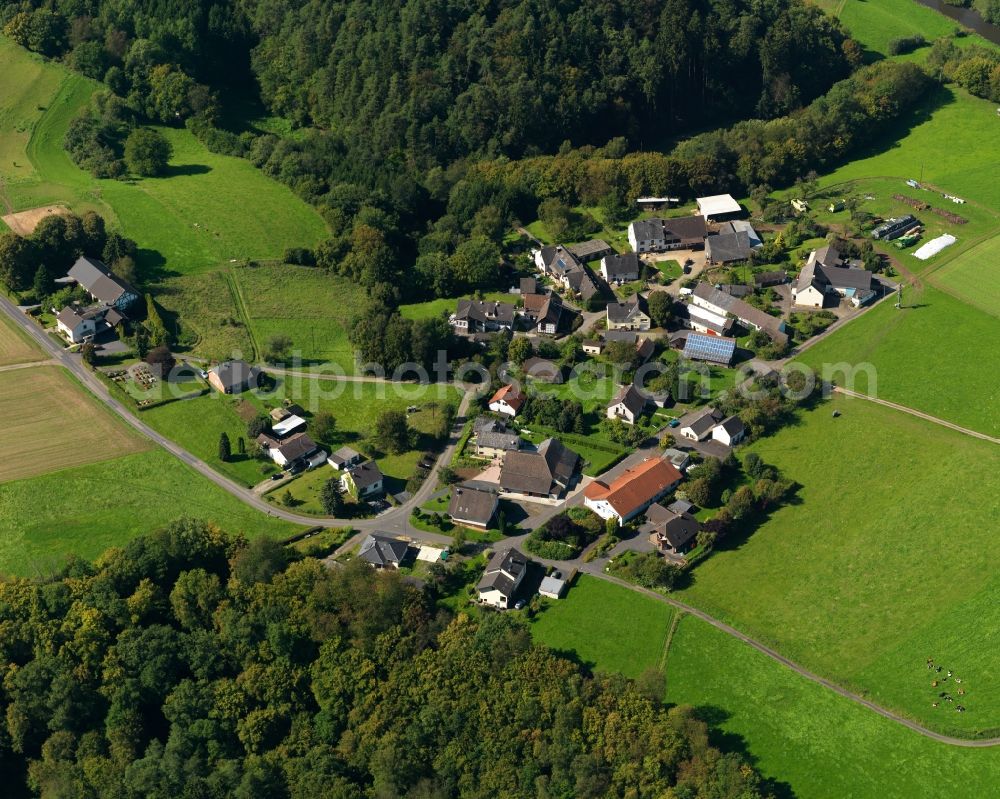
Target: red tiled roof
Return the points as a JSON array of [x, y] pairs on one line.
[[635, 487], [511, 395]]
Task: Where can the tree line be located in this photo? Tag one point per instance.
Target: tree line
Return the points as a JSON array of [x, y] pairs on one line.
[[190, 664]]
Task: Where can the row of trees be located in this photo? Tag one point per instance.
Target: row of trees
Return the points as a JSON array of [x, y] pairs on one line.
[[187, 663], [976, 69]]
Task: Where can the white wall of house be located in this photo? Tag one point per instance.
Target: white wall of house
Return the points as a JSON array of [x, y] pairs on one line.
[[810, 297], [602, 508], [501, 406], [84, 328], [721, 434], [620, 411], [687, 432], [495, 599]]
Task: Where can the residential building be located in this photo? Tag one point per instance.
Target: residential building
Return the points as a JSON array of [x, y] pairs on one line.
[[627, 404], [633, 314], [476, 316], [705, 321], [545, 473], [504, 573], [644, 348], [234, 377], [383, 551], [721, 305], [737, 290], [621, 268], [472, 507], [102, 284], [77, 325], [508, 400], [827, 274], [719, 207], [544, 311], [711, 348], [727, 248], [633, 491], [742, 225], [671, 533], [663, 235], [593, 346], [363, 480], [592, 250], [697, 425], [730, 431], [298, 449], [493, 439], [542, 369], [345, 458]]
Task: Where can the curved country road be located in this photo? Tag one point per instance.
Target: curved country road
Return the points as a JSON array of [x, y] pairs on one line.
[[396, 520]]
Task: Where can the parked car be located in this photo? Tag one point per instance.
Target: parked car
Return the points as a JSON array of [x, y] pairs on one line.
[[674, 423], [277, 476], [519, 605]]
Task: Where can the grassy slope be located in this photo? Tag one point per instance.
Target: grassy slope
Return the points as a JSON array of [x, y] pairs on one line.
[[239, 212], [805, 736], [87, 509], [605, 627], [974, 276], [15, 346], [886, 558], [935, 356]]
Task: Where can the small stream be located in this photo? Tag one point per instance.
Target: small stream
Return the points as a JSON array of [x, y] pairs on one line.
[[967, 17]]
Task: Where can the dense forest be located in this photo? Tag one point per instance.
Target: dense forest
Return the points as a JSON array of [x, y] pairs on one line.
[[191, 665]]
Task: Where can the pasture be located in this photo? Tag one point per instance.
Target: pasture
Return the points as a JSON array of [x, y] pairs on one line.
[[974, 276], [207, 210], [86, 509], [15, 346], [885, 558], [812, 742], [431, 309], [937, 355], [310, 306], [51, 424], [606, 627]]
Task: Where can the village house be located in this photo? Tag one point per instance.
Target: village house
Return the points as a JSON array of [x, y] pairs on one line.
[[720, 305], [673, 534], [592, 346], [633, 314], [719, 207], [477, 316], [627, 405], [492, 439], [472, 507], [102, 284], [567, 270], [730, 431], [545, 473], [727, 248], [234, 377], [508, 400], [544, 311], [697, 426], [621, 268], [592, 250], [633, 491], [542, 369], [383, 551], [298, 450], [663, 235], [504, 573], [363, 480], [827, 274], [79, 326], [345, 458]]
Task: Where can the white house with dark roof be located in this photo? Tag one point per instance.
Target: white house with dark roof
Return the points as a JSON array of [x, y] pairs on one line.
[[299, 448], [829, 274], [102, 284], [545, 473], [363, 480], [234, 377], [627, 404], [504, 573], [697, 426], [77, 326], [472, 507], [621, 268], [633, 314], [476, 316], [730, 431], [382, 551]]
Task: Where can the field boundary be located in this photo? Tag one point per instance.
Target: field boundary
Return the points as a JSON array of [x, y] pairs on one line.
[[239, 302]]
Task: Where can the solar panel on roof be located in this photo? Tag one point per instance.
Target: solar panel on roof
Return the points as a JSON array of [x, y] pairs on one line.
[[709, 348]]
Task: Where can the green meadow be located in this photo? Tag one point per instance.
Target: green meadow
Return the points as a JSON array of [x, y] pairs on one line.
[[89, 508], [208, 210], [885, 557], [974, 276]]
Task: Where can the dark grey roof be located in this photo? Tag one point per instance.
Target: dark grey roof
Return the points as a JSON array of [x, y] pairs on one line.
[[727, 247], [237, 375], [494, 439], [99, 280], [842, 278], [743, 311], [70, 317], [732, 425], [542, 369], [528, 285], [485, 424], [624, 312], [631, 398], [561, 460], [647, 229], [366, 474], [677, 529], [618, 267], [383, 550], [736, 289], [685, 229], [701, 421], [503, 572], [298, 446], [345, 455], [485, 311], [590, 250], [680, 506], [537, 472], [770, 279], [621, 335], [472, 505]]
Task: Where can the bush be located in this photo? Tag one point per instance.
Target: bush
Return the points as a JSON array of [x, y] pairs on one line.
[[147, 152], [550, 550], [300, 256], [906, 44]]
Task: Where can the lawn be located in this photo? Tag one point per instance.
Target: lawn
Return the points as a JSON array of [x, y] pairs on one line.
[[15, 346], [85, 510], [800, 734], [598, 452], [937, 355], [974, 276], [312, 307], [886, 557], [50, 423], [588, 386], [431, 309], [605, 626], [209, 208]]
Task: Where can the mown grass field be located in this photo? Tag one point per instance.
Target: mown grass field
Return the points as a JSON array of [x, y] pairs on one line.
[[15, 346], [886, 557], [310, 306], [605, 627], [51, 424], [937, 355], [431, 309], [86, 509], [209, 209], [812, 742], [974, 276]]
